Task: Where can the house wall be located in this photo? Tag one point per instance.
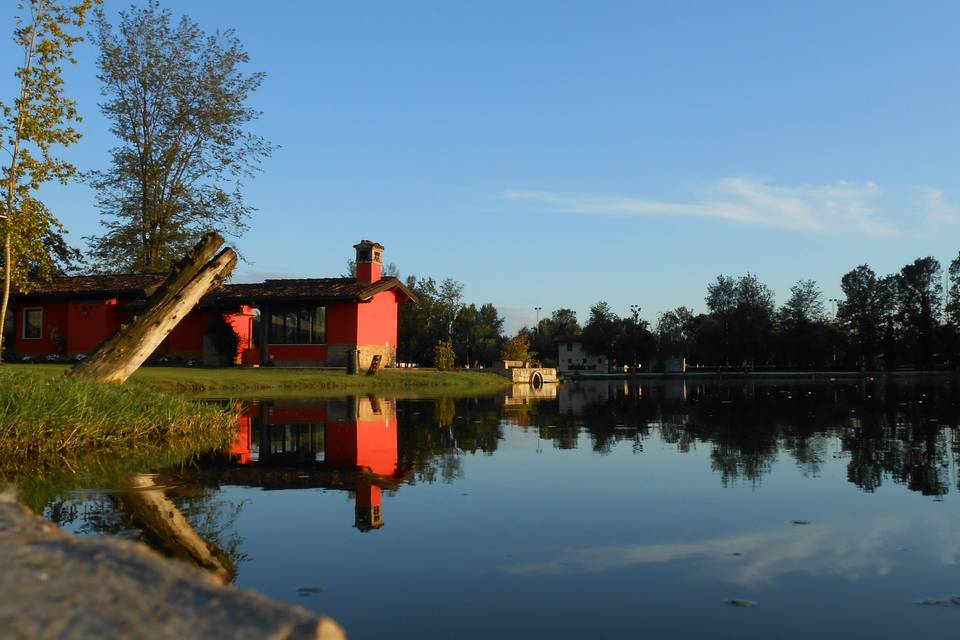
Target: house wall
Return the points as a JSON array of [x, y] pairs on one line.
[[572, 357], [90, 323], [55, 321], [186, 339]]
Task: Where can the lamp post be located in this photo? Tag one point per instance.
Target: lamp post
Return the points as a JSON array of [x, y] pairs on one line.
[[537, 309]]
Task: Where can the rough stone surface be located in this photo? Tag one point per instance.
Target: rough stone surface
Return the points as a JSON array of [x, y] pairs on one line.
[[56, 585]]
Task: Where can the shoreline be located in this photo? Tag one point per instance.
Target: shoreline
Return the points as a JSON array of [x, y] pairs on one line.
[[271, 381], [825, 375]]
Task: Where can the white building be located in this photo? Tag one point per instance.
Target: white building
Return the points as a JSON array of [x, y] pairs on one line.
[[571, 358]]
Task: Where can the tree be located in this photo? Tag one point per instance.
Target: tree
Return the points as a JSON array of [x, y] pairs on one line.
[[742, 312], [476, 334], [952, 308], [443, 356], [804, 337], [600, 333], [38, 120], [919, 308], [674, 332], [864, 313], [634, 342], [561, 323], [177, 100], [517, 348], [430, 320]]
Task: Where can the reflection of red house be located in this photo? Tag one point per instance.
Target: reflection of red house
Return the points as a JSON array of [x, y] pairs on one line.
[[356, 435], [318, 321]]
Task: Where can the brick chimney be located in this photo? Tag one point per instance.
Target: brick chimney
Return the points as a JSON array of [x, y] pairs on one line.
[[369, 261]]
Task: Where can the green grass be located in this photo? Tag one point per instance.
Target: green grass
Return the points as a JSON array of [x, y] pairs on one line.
[[51, 424], [272, 382]]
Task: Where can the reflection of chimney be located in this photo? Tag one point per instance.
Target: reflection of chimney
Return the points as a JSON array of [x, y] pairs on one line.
[[369, 261], [368, 513]]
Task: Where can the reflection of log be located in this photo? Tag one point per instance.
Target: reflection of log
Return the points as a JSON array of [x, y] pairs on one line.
[[193, 277], [160, 518]]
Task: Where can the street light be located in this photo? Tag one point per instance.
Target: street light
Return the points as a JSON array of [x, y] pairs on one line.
[[538, 309]]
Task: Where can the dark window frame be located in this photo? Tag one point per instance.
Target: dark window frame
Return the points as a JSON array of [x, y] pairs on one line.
[[26, 313], [296, 322]]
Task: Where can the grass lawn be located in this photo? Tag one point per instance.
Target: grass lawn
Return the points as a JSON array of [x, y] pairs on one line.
[[51, 424], [269, 381]]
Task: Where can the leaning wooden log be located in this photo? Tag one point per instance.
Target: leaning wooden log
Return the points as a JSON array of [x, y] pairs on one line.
[[162, 521], [193, 277]]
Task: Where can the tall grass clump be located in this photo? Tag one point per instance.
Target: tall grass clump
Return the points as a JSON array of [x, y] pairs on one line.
[[53, 424]]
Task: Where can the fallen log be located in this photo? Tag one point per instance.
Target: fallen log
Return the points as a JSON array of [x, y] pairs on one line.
[[190, 280]]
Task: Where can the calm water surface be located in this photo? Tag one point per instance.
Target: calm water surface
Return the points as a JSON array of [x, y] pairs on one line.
[[606, 510]]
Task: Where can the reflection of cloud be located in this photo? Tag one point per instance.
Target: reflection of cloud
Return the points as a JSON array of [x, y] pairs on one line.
[[837, 208], [849, 549]]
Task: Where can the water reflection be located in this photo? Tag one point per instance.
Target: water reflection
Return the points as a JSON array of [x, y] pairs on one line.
[[656, 493], [348, 444]]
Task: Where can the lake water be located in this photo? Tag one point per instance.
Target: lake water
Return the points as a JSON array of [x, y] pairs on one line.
[[593, 510]]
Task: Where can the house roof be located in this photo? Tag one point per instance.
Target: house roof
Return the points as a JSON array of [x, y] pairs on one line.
[[305, 290], [96, 286], [141, 286]]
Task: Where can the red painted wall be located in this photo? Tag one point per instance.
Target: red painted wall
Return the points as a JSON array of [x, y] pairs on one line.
[[55, 316], [369, 272], [366, 444], [342, 323], [186, 339], [89, 324], [377, 320], [290, 352]]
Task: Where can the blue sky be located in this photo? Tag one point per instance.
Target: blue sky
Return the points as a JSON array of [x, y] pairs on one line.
[[559, 153]]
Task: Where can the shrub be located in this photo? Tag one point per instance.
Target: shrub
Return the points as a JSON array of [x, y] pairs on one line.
[[443, 358], [517, 348]]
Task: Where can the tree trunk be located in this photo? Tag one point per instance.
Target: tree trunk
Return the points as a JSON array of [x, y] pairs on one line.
[[161, 519], [188, 283]]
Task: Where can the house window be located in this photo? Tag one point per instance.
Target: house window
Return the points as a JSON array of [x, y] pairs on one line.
[[32, 324], [298, 325], [569, 346]]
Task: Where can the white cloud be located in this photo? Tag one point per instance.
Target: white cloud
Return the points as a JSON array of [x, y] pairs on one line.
[[847, 548], [839, 208]]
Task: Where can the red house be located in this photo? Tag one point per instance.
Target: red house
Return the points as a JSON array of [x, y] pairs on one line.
[[297, 322]]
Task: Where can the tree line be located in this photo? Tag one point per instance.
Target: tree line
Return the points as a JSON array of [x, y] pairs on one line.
[[907, 319]]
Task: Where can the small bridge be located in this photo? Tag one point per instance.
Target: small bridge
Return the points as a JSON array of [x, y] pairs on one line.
[[523, 373]]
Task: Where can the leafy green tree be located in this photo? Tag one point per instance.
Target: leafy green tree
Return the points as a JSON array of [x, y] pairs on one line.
[[476, 334], [177, 99], [443, 355], [601, 331], [430, 320], [517, 348], [561, 323], [35, 123]]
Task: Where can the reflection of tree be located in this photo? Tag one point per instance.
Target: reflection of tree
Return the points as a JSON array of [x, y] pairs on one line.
[[465, 427], [903, 431]]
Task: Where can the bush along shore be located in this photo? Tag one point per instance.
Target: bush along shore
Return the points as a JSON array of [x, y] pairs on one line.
[[270, 381], [51, 424]]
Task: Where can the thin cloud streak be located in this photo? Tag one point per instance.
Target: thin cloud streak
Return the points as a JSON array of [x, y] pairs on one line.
[[839, 208]]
